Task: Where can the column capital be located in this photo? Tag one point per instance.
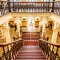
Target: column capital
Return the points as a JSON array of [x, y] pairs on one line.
[[56, 25], [5, 28], [56, 30], [45, 18]]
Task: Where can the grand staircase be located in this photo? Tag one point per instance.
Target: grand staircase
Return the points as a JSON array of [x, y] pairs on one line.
[[30, 53], [17, 51], [30, 49]]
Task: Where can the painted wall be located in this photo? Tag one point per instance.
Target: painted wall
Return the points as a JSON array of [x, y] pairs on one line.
[[25, 0], [24, 23]]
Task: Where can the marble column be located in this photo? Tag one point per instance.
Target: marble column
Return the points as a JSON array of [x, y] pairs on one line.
[[54, 36], [6, 32], [43, 27], [55, 33]]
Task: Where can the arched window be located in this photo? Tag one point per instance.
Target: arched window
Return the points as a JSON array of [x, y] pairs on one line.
[[19, 0], [46, 0], [15, 0], [30, 22], [30, 0]]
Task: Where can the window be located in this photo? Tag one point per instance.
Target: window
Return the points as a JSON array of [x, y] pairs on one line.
[[47, 0], [30, 0], [16, 0], [20, 0], [30, 23]]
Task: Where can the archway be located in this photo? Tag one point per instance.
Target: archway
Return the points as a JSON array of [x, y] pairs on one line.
[[30, 24]]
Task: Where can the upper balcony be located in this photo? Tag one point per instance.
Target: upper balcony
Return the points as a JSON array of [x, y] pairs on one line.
[[6, 7]]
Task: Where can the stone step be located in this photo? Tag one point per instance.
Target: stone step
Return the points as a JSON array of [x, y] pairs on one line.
[[30, 57], [29, 53]]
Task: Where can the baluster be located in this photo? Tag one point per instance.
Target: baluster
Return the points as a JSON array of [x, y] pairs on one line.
[[53, 7], [46, 50], [8, 3], [56, 56], [9, 52], [4, 54], [51, 52], [1, 58], [13, 50]]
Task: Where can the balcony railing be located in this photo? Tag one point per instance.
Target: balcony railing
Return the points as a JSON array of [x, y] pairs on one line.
[[8, 51], [6, 7], [51, 50]]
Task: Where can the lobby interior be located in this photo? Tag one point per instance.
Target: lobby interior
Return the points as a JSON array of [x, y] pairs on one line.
[[29, 30]]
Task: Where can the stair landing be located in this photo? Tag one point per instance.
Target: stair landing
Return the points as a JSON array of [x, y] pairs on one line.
[[30, 53]]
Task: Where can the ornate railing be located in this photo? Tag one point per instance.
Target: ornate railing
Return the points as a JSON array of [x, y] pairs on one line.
[[51, 50], [6, 7], [9, 50]]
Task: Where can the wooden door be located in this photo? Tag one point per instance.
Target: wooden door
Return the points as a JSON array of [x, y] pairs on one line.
[[36, 23], [24, 23]]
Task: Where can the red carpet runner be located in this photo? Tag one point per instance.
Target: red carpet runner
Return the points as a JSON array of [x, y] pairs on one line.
[[30, 53], [30, 38]]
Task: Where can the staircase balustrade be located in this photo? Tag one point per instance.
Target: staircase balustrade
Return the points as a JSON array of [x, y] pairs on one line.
[[6, 7], [51, 50], [9, 50]]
